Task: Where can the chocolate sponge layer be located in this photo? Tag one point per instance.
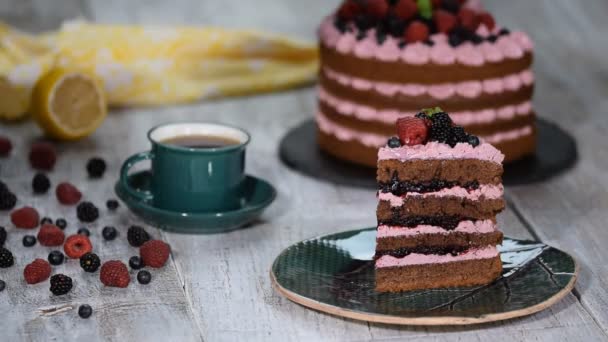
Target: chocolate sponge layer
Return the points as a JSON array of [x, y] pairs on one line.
[[457, 170], [458, 239]]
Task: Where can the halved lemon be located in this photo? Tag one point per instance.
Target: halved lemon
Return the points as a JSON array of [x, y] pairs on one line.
[[68, 105]]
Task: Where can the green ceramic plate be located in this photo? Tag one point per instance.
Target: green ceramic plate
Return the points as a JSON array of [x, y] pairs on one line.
[[335, 274], [259, 195]]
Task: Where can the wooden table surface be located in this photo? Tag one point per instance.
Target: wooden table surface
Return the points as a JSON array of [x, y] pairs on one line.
[[216, 288]]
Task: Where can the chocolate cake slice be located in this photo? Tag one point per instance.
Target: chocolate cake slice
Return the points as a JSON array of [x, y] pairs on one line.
[[439, 192]]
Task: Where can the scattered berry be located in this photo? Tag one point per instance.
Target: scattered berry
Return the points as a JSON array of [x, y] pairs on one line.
[[406, 9], [349, 10], [114, 273], [96, 167], [394, 142], [55, 258], [109, 233], [87, 212], [136, 263], [8, 200], [468, 18], [417, 31], [3, 236], [41, 183], [76, 246], [60, 284], [6, 258], [487, 19], [26, 218], [36, 272], [444, 21], [137, 236], [61, 223], [90, 262], [5, 146], [412, 131], [43, 156], [112, 204], [46, 220], [144, 277], [29, 240], [67, 194], [2, 285], [377, 8], [84, 231], [50, 235], [154, 253], [85, 311]]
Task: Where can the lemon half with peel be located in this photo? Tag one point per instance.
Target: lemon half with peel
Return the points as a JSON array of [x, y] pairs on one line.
[[68, 105]]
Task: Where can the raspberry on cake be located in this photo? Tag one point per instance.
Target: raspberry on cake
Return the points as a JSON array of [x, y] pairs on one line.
[[376, 69], [437, 205]]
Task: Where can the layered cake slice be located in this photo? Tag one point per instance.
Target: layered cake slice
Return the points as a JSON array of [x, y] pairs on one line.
[[439, 192]]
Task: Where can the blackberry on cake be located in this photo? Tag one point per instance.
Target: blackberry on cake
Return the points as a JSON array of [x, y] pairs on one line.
[[437, 206]]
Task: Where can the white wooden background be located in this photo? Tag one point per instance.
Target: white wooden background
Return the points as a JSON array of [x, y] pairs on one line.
[[216, 288]]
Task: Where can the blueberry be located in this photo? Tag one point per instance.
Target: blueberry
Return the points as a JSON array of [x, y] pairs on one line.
[[85, 311], [29, 240], [473, 140], [84, 231], [504, 32], [394, 142], [61, 223], [109, 233], [492, 38], [2, 285], [55, 258], [112, 204], [144, 277], [46, 220], [136, 263]]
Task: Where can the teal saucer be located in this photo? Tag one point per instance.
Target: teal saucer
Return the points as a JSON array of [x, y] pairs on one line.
[[259, 194]]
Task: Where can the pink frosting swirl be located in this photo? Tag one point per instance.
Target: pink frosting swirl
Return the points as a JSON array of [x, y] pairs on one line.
[[467, 54], [443, 54], [416, 53]]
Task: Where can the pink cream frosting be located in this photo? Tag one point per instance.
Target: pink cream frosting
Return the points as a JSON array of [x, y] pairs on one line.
[[511, 46], [469, 89], [472, 227], [485, 191], [420, 259], [390, 116]]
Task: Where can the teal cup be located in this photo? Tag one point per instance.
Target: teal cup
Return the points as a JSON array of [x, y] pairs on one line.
[[186, 179]]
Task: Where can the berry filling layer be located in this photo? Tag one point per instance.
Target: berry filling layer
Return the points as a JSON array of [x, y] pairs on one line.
[[421, 259], [471, 227], [445, 222], [485, 191], [400, 188], [443, 250]]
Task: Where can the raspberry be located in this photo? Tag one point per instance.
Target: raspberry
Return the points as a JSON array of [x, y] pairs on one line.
[[412, 131], [349, 10], [8, 200], [41, 183], [26, 217], [487, 19], [96, 167], [43, 156], [377, 8], [60, 284], [468, 19], [50, 235], [77, 245], [87, 212], [90, 262], [137, 236], [67, 194], [416, 32], [5, 146], [405, 9], [36, 272], [2, 236], [444, 21], [114, 273], [6, 258], [154, 253]]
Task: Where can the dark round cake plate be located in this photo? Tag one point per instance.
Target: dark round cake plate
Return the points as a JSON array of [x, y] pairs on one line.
[[555, 153]]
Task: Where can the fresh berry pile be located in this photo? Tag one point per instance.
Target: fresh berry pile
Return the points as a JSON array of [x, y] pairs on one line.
[[430, 125], [413, 21]]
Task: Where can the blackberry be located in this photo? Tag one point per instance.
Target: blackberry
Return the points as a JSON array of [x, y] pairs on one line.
[[144, 277], [395, 26], [452, 6], [363, 22], [340, 24], [2, 236], [361, 35], [29, 240], [87, 212], [2, 285], [137, 236], [476, 39], [8, 200], [84, 231], [459, 135], [473, 140], [60, 284], [6, 258], [441, 119], [85, 311], [109, 233], [380, 37], [90, 262], [112, 204], [504, 32], [492, 38], [440, 134], [41, 183], [394, 142], [46, 220], [402, 44], [96, 167], [55, 258], [429, 42], [61, 223], [454, 40], [136, 263]]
